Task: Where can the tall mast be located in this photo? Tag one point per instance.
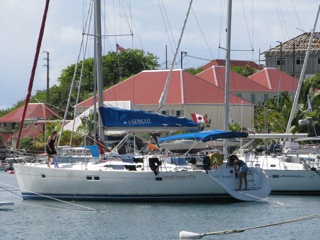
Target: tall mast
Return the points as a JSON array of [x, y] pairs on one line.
[[98, 61], [227, 76], [304, 66]]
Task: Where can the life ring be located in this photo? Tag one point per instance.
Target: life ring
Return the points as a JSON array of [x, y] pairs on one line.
[[215, 159]]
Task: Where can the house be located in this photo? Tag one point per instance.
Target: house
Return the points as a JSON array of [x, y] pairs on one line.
[[289, 56], [233, 63], [35, 113], [186, 94], [276, 81], [257, 88], [239, 85]]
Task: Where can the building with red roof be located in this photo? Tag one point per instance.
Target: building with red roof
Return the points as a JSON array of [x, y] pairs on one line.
[[257, 88], [275, 80], [233, 63], [35, 113], [186, 94]]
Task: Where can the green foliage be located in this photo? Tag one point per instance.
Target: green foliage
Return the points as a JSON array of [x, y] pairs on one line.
[[27, 143], [194, 71], [244, 70]]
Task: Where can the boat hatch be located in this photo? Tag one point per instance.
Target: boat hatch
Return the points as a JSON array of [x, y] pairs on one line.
[[275, 176], [93, 178], [158, 178], [131, 167], [272, 165]]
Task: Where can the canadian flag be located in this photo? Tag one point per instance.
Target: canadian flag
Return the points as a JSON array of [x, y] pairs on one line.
[[119, 48], [198, 118]]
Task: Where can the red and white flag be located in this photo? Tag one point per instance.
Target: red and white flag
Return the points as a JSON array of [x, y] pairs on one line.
[[119, 48], [198, 118]]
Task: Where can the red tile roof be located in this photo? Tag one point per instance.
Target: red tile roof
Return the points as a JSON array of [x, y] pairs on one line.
[[233, 63], [238, 83], [273, 78], [146, 87], [34, 111], [33, 130]]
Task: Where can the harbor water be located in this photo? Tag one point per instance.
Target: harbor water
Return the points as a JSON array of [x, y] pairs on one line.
[[151, 221]]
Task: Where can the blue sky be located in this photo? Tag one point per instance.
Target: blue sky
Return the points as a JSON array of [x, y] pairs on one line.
[[256, 24]]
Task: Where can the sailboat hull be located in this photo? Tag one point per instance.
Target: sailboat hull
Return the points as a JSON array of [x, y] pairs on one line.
[[38, 182]]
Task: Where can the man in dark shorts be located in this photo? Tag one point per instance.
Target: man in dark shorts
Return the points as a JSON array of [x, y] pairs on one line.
[[50, 147]]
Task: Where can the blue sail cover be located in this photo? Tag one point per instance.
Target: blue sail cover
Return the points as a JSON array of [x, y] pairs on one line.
[[206, 136], [116, 118]]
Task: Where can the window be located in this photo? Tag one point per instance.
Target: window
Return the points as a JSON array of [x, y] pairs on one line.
[[239, 95], [253, 98], [265, 97], [318, 60], [300, 60], [279, 63], [163, 112]]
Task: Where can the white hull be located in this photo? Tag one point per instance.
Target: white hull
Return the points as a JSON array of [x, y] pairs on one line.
[[294, 181], [38, 182], [288, 175]]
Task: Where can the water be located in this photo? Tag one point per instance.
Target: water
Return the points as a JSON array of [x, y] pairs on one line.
[[152, 221]]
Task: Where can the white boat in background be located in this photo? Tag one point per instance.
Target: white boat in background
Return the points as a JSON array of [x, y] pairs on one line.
[[290, 168]]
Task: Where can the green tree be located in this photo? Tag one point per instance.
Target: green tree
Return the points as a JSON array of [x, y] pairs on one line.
[[194, 71], [244, 70]]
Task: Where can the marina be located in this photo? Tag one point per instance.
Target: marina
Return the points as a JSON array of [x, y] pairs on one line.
[[111, 220]]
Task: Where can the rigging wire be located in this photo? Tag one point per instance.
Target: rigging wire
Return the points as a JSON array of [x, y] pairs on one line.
[[167, 26], [281, 19], [194, 15], [221, 22], [295, 10], [245, 18], [89, 16]]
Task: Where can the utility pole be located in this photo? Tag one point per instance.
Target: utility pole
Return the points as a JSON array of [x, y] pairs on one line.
[[48, 79], [280, 55], [183, 54]]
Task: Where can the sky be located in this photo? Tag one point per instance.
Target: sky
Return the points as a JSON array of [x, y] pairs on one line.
[[152, 25]]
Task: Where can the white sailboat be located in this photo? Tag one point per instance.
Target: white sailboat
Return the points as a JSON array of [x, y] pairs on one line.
[[293, 170], [147, 178]]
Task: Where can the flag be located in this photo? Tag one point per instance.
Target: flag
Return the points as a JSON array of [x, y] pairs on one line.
[[119, 48], [151, 146], [198, 118], [309, 103]]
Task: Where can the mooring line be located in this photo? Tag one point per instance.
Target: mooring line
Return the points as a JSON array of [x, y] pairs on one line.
[[52, 198]]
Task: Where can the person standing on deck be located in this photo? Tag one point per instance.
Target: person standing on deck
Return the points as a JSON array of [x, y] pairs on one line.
[[241, 168], [50, 147]]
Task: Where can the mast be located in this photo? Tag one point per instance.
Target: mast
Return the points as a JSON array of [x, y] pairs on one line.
[[227, 76], [33, 71], [98, 61], [165, 91], [296, 96]]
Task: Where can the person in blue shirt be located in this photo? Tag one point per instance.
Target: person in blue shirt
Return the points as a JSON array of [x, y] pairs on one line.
[[241, 169]]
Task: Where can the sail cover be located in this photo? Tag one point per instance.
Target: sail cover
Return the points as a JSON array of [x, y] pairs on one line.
[[206, 136], [117, 118]]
